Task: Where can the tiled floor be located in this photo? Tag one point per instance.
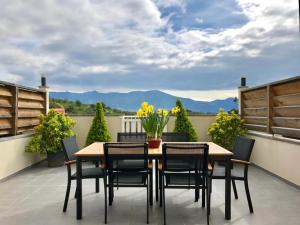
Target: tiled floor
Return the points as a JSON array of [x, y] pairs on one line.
[[36, 197]]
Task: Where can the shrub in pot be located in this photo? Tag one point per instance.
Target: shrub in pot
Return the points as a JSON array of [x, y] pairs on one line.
[[226, 128], [48, 135], [98, 131], [183, 124]]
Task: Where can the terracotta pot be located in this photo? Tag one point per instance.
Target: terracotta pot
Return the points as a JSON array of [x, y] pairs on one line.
[[153, 143]]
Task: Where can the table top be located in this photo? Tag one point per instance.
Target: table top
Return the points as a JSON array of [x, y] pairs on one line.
[[96, 149]]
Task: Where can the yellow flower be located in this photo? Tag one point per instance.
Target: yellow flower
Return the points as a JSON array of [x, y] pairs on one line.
[[144, 106], [150, 109], [175, 110], [165, 112], [159, 112], [140, 113]]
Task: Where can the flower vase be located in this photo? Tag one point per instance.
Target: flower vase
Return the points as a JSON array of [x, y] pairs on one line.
[[153, 143]]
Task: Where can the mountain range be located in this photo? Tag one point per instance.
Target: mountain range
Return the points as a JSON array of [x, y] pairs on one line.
[[131, 101]]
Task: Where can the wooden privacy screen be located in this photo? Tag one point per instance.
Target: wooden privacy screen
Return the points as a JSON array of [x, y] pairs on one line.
[[20, 108], [273, 108]]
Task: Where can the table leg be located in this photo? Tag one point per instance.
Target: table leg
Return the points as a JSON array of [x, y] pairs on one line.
[[156, 180], [228, 190], [79, 188]]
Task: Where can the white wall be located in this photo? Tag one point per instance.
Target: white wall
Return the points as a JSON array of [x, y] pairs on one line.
[[278, 155], [13, 157]]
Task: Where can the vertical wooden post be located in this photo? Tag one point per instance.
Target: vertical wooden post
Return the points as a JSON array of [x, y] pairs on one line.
[[14, 122], [269, 100]]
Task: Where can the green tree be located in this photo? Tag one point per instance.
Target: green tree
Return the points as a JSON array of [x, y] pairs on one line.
[[98, 130], [228, 125], [183, 124]]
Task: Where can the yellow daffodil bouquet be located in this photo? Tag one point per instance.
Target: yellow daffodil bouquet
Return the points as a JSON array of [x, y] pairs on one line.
[[153, 121]]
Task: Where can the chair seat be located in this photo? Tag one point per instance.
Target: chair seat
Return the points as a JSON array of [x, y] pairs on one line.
[[95, 172], [130, 178], [184, 179]]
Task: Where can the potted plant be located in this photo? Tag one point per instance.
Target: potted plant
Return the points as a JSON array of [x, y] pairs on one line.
[[52, 128], [226, 128], [154, 122], [183, 124], [98, 130]]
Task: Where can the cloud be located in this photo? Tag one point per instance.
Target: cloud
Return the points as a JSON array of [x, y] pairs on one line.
[[159, 44]]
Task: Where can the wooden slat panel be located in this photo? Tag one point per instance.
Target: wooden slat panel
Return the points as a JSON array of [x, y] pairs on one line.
[[255, 127], [287, 100], [255, 94], [5, 132], [287, 88], [5, 113], [25, 130], [5, 102], [4, 91], [256, 103], [286, 122], [255, 111], [30, 104], [287, 111], [28, 122], [287, 132], [255, 120], [29, 112], [5, 124], [31, 95]]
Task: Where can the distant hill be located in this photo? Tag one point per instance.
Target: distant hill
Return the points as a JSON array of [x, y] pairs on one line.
[[131, 101]]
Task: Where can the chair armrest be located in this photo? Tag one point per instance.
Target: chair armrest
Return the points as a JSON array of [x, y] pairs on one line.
[[240, 161], [70, 162]]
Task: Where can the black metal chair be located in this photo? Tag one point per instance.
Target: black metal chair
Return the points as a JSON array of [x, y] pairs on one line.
[[69, 147], [120, 175], [135, 138], [185, 166], [242, 150], [169, 137], [175, 137]]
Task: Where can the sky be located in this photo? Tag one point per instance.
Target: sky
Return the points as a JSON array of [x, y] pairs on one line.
[[189, 48]]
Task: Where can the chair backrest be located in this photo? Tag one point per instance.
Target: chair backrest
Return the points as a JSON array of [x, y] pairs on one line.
[[175, 137], [242, 148], [69, 146], [131, 137], [131, 152], [185, 157]]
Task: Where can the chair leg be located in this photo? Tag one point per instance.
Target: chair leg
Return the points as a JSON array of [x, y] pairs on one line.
[[248, 195], [203, 197], [208, 195], [234, 189], [105, 200], [75, 194], [67, 195], [156, 180], [148, 198], [151, 187], [163, 200], [160, 189], [97, 185]]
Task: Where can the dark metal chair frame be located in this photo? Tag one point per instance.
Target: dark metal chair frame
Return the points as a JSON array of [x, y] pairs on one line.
[[131, 137], [127, 151], [175, 137], [137, 138], [69, 147], [241, 155], [185, 160]]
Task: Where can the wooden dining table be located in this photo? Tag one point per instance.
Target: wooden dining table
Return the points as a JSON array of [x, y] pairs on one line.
[[95, 151]]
